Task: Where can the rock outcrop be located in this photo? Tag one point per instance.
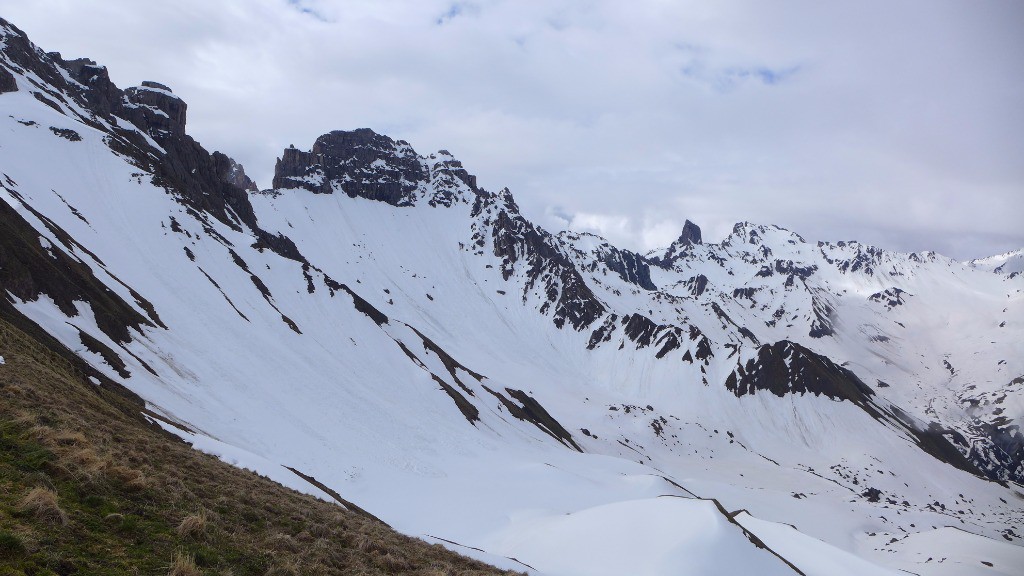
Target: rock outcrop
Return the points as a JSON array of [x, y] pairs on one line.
[[358, 162], [160, 109]]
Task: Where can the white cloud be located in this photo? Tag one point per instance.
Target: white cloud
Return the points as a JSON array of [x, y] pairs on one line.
[[895, 123]]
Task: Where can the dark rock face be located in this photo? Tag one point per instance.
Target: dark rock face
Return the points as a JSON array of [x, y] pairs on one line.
[[232, 172], [28, 270], [446, 176], [747, 292], [639, 329], [154, 106], [67, 134], [196, 178], [697, 285], [644, 332], [690, 235], [360, 163], [822, 324], [872, 494], [788, 368], [631, 267], [787, 268], [530, 410], [102, 95], [890, 298], [688, 238], [792, 271], [7, 82], [26, 57], [293, 163], [864, 257], [469, 411], [522, 245], [704, 350]]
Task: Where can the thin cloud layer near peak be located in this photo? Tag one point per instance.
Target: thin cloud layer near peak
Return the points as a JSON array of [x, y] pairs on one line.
[[895, 124]]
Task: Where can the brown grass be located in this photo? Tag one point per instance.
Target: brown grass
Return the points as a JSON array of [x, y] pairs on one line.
[[130, 478], [85, 463], [284, 569], [42, 504], [69, 437], [193, 525], [183, 564]]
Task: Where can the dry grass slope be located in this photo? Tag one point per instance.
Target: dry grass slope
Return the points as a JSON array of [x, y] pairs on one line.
[[87, 486]]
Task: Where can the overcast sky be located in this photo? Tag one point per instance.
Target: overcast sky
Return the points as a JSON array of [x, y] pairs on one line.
[[898, 123]]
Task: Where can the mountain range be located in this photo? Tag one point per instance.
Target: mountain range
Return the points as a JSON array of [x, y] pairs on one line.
[[377, 330]]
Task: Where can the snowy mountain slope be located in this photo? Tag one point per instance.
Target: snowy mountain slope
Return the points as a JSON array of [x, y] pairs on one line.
[[764, 284], [381, 324], [1009, 263]]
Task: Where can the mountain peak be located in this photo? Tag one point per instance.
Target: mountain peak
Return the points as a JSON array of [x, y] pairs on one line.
[[363, 163], [689, 237], [358, 162]]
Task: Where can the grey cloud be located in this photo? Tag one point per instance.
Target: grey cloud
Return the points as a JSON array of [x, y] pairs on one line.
[[894, 123]]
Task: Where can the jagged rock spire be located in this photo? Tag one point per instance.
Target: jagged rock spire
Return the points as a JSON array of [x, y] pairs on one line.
[[690, 235]]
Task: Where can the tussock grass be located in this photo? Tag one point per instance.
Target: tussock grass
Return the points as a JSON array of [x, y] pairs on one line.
[[184, 564], [88, 486], [42, 504], [192, 526]]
